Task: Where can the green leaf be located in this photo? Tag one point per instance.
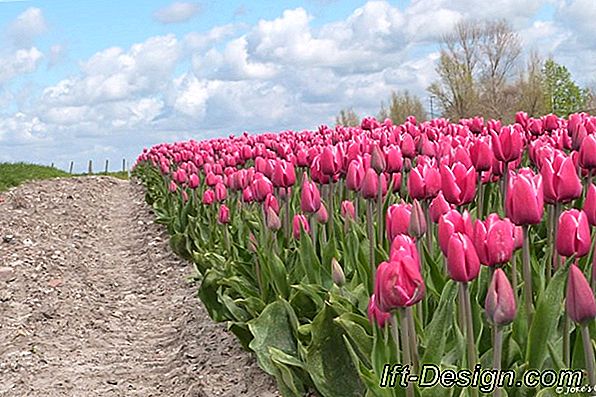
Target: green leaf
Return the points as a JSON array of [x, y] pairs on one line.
[[545, 320], [272, 328], [328, 360], [437, 330]]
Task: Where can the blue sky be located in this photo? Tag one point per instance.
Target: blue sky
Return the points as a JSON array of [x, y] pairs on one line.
[[100, 80]]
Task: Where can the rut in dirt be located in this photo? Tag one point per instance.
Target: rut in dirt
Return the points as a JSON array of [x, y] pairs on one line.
[[94, 303]]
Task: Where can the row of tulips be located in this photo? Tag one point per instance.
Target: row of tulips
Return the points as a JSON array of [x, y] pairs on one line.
[[332, 253]]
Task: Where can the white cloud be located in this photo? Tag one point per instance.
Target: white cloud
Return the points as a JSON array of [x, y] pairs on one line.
[[177, 12], [27, 26], [19, 62]]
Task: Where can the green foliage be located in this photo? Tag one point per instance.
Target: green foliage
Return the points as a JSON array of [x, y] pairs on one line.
[[401, 105], [562, 94], [13, 174]]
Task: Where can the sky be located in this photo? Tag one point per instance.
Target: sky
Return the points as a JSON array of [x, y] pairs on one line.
[[95, 80]]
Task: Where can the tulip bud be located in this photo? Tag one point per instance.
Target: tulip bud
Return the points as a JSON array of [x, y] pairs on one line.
[[224, 215], [573, 234], [208, 197], [417, 226], [322, 216], [375, 315], [299, 223], [337, 274], [580, 303], [310, 198], [500, 300], [347, 210], [327, 162], [463, 264], [397, 220], [377, 161], [590, 205], [438, 207], [252, 243], [370, 184], [172, 187], [354, 176], [272, 220]]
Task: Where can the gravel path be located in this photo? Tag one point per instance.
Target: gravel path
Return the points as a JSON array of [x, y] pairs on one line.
[[93, 302]]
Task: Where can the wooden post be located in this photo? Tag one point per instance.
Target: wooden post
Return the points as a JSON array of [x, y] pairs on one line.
[[70, 168], [52, 165], [106, 171], [90, 171], [123, 165]]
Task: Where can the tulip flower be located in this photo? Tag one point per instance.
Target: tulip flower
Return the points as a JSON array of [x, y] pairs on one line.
[[525, 199], [500, 300], [284, 174], [590, 205], [261, 187], [463, 264], [453, 222], [403, 245], [587, 152], [481, 155], [417, 226], [394, 160], [375, 315], [223, 216], [299, 223], [378, 162], [208, 197], [310, 198], [561, 182], [271, 202], [508, 144], [397, 220], [321, 215], [424, 182], [458, 183], [438, 206], [573, 234], [172, 187], [370, 184], [327, 162], [398, 284], [337, 273], [221, 193], [347, 210], [272, 220], [355, 175], [193, 181], [493, 240]]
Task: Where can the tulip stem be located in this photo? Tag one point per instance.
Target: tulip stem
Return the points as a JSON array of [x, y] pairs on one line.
[[551, 240], [405, 342], [497, 353], [371, 237], [429, 231], [514, 274], [395, 333], [470, 342], [288, 217], [557, 214], [505, 182], [527, 271], [412, 337], [313, 230], [589, 354], [330, 217], [380, 210], [480, 203], [566, 354]]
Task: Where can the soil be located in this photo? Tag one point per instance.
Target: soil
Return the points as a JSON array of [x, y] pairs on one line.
[[94, 303]]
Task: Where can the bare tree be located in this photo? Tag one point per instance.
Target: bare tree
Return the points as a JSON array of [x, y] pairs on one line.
[[348, 118], [530, 87], [402, 105]]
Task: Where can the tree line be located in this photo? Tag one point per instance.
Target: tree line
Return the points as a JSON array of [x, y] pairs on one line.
[[481, 71]]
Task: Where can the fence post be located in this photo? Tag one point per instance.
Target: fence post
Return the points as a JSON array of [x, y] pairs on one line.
[[123, 165], [106, 171], [70, 168], [90, 171]]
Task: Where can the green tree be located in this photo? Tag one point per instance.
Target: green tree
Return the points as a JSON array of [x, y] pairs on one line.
[[402, 105], [347, 118], [563, 96]]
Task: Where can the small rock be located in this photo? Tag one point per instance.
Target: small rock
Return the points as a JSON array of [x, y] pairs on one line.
[[7, 273], [27, 242], [55, 282], [8, 238], [112, 382]]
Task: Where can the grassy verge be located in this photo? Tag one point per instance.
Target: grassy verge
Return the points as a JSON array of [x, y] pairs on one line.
[[13, 174]]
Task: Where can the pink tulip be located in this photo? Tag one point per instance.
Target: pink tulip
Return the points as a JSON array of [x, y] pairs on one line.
[[322, 216], [271, 202], [272, 221], [580, 304], [223, 217], [561, 183], [500, 300], [524, 203], [493, 240], [424, 182], [403, 245], [221, 193], [299, 223], [438, 207], [397, 220], [208, 197], [481, 155], [417, 226], [172, 187], [394, 160], [453, 222], [375, 315], [508, 144], [573, 234], [398, 283], [587, 152], [378, 162], [347, 210], [310, 198], [283, 174], [590, 205], [355, 175], [261, 187], [193, 181], [328, 164], [463, 264], [370, 184], [458, 183]]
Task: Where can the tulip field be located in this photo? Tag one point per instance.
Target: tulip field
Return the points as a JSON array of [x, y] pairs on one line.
[[349, 259]]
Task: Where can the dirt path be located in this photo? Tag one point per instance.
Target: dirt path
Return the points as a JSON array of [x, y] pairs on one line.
[[93, 302]]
